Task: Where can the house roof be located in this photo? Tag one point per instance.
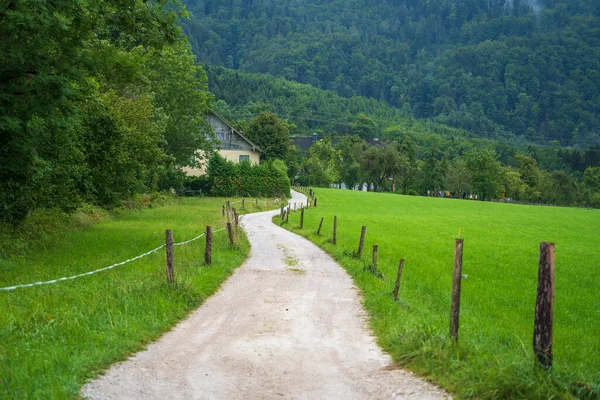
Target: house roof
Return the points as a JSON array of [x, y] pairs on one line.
[[233, 129]]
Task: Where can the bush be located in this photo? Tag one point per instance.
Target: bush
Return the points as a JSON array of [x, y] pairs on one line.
[[412, 192], [226, 178]]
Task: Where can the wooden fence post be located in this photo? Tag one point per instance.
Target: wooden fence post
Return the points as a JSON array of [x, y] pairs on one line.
[[169, 247], [243, 203], [281, 212], [302, 218], [335, 229], [456, 280], [397, 287], [544, 306], [307, 202], [230, 232], [374, 260], [287, 216], [315, 202], [208, 250], [256, 203], [236, 218], [228, 206], [361, 243], [320, 225]]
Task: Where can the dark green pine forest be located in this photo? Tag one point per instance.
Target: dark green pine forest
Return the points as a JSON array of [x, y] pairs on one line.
[[499, 69]]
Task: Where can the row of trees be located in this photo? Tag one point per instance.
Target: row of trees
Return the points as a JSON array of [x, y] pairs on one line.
[[434, 168], [395, 165], [99, 100]]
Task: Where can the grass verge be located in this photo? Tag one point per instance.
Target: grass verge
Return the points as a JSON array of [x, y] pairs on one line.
[[55, 337], [494, 357]]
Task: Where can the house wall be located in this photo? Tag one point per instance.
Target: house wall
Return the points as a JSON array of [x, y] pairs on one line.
[[231, 155], [228, 139]]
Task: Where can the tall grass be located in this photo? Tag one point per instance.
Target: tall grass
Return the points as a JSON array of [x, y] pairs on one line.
[[494, 356], [55, 337]]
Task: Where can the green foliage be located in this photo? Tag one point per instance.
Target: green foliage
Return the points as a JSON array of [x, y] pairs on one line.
[[322, 167], [245, 179], [94, 106], [270, 133], [484, 66]]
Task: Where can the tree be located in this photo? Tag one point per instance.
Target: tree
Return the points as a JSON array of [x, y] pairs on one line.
[[381, 164], [180, 90], [364, 127], [322, 167], [459, 179], [50, 52], [485, 170], [272, 134], [352, 147]]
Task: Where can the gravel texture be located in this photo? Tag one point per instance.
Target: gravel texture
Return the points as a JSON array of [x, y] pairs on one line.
[[287, 324]]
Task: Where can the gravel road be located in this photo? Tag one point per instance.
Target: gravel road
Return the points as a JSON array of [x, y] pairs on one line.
[[287, 324]]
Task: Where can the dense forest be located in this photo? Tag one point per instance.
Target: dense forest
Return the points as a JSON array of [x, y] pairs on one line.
[[242, 96], [487, 66], [99, 102]]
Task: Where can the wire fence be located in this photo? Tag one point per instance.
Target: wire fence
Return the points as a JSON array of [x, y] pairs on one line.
[[66, 278]]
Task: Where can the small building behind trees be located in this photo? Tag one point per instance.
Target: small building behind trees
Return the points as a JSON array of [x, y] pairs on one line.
[[232, 144]]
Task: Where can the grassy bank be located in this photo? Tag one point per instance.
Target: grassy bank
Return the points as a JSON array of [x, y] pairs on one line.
[[54, 337], [494, 358]]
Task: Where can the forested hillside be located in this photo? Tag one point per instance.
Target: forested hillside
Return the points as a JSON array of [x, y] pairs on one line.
[[532, 68]]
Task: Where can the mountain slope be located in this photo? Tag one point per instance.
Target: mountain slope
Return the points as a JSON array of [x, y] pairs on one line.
[[475, 64]]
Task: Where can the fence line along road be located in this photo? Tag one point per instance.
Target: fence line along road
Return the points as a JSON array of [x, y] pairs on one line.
[[8, 288]]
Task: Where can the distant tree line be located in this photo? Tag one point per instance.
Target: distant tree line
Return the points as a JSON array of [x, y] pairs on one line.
[[437, 168]]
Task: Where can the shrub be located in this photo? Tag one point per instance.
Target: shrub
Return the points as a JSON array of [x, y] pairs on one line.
[[226, 178]]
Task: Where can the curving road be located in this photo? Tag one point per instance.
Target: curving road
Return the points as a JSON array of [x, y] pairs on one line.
[[287, 324]]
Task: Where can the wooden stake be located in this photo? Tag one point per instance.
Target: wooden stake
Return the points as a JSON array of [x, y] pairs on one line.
[[169, 247], [230, 232], [544, 306], [320, 225], [307, 202], [397, 287], [335, 229], [243, 202], [256, 203], [456, 280], [362, 240], [208, 250], [287, 216], [302, 218], [374, 260], [281, 212], [315, 202], [236, 218]]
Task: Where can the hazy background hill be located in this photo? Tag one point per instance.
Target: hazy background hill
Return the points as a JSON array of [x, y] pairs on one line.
[[486, 66]]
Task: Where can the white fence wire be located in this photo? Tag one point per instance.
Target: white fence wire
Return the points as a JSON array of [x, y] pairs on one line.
[[8, 288]]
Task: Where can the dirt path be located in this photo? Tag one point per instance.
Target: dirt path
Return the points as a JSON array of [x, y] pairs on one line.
[[287, 324]]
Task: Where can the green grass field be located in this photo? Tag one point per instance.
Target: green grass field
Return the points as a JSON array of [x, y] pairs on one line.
[[494, 358], [54, 337]]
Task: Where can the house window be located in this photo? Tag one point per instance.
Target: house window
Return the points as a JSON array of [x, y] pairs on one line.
[[244, 157]]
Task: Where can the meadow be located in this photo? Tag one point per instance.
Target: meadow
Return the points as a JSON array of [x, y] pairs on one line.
[[55, 337], [494, 356]]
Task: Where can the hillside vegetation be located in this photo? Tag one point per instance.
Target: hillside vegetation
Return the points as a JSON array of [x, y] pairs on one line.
[[528, 67], [494, 357]]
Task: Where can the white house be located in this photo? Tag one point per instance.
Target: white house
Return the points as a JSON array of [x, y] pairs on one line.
[[233, 145]]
